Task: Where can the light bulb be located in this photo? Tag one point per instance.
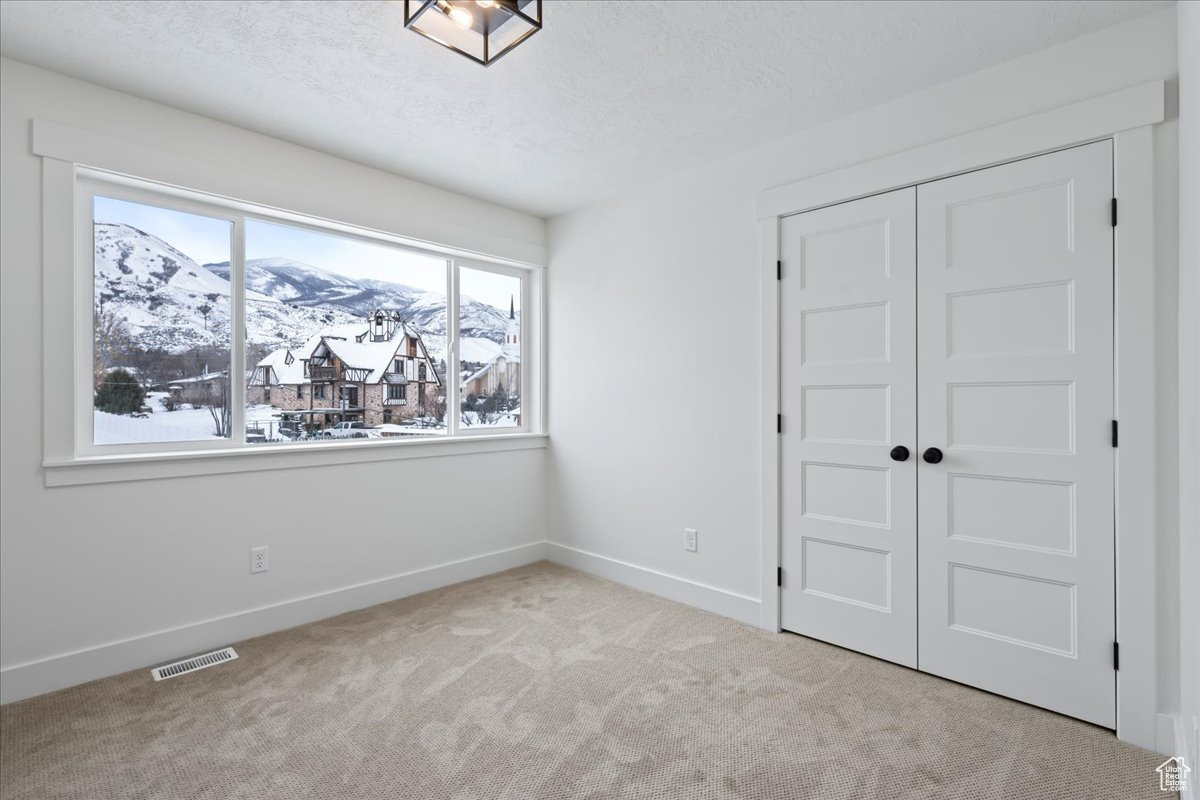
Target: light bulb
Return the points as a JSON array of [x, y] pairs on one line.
[[460, 16]]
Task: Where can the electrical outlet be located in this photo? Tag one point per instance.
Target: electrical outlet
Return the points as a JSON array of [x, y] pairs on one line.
[[258, 560], [689, 539]]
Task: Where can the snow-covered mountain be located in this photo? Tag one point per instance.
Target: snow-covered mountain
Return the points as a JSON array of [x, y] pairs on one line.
[[169, 301], [295, 283], [302, 284], [163, 295]]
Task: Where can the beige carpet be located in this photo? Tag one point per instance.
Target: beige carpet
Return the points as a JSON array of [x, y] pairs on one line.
[[543, 682]]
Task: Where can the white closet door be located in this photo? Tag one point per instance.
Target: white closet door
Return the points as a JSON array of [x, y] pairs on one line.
[[1015, 387], [848, 511]]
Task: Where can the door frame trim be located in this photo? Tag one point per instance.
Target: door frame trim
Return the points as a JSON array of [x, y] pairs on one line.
[[1127, 117]]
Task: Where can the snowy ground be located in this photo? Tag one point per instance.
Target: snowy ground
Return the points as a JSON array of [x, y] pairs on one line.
[[189, 424], [505, 419], [184, 424]]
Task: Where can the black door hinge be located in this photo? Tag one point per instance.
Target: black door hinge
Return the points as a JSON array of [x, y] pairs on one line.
[[779, 576], [1116, 656], [1114, 433], [779, 423], [1114, 212], [778, 270]]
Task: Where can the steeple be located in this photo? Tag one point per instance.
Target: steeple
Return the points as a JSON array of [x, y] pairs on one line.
[[512, 336]]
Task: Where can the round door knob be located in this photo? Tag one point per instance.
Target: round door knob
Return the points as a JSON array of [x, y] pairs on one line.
[[899, 453], [932, 455]]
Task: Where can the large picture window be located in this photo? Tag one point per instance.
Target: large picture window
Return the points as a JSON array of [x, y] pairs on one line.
[[217, 326], [161, 324]]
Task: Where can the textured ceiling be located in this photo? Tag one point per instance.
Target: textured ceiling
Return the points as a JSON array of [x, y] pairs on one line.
[[609, 93]]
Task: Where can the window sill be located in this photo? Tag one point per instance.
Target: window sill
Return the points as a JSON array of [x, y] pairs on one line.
[[126, 467]]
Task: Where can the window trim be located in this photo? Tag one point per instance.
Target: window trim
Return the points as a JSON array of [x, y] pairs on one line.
[[185, 463], [526, 302], [63, 183], [86, 188]]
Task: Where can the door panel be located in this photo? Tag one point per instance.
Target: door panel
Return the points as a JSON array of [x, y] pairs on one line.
[[1015, 385], [848, 388]]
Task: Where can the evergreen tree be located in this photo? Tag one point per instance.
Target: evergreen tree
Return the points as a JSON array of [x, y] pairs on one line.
[[120, 393], [500, 398]]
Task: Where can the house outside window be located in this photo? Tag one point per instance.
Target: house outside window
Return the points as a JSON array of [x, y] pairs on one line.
[[171, 274]]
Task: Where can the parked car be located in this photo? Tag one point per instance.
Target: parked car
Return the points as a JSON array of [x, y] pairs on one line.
[[351, 430]]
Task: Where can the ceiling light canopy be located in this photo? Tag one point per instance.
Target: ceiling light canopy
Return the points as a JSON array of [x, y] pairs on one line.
[[481, 30]]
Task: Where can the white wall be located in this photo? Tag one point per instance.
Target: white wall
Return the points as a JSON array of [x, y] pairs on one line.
[[95, 579], [1189, 384], [654, 324]]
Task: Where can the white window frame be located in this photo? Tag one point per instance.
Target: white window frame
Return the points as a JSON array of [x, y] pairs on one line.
[[456, 429], [87, 187], [70, 455]]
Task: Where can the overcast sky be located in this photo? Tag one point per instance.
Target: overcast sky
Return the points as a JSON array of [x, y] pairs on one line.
[[207, 240]]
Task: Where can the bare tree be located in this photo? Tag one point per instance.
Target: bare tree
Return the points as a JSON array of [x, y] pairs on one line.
[[218, 402], [435, 403], [485, 410], [112, 339]]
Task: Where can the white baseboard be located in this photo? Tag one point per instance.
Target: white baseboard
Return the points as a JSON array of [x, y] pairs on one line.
[[1170, 741], [69, 669], [1193, 758], [709, 598], [1167, 730]]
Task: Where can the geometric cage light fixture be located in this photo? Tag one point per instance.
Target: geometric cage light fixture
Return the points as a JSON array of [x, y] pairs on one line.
[[481, 30]]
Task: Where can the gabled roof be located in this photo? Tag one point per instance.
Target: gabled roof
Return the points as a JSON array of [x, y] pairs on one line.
[[349, 330], [512, 358], [285, 366], [352, 345]]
